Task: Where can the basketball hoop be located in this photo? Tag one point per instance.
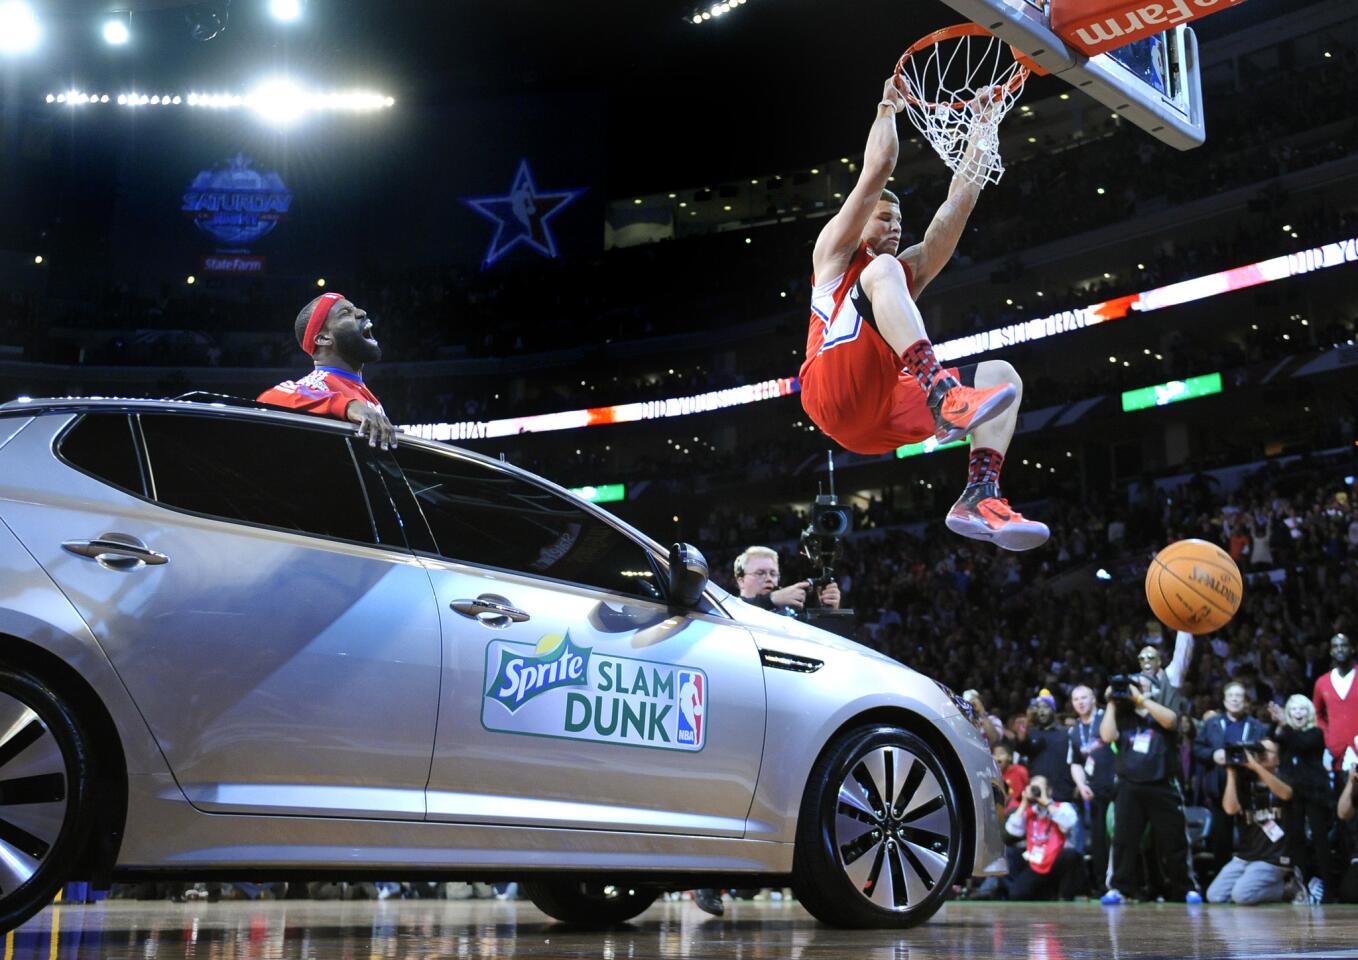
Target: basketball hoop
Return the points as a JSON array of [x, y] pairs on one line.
[[958, 83]]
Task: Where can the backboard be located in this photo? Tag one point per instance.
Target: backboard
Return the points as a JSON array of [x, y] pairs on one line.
[[1155, 83]]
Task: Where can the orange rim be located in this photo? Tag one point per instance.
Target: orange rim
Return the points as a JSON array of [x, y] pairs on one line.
[[1026, 64]]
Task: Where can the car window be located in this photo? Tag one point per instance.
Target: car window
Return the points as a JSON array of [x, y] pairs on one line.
[[483, 515], [278, 476], [101, 444]]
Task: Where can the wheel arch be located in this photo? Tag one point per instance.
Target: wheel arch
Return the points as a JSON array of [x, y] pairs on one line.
[[97, 861], [930, 734]]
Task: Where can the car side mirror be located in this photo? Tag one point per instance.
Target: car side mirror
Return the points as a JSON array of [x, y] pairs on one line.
[[688, 575]]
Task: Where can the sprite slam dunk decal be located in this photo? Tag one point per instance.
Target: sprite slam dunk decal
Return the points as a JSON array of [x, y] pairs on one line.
[[561, 689]]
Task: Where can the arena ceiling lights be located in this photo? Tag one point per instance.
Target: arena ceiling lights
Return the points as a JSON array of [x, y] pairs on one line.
[[1068, 321], [707, 14], [286, 11], [20, 31], [279, 103]]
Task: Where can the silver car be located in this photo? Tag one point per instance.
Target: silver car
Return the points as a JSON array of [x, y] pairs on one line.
[[239, 642]]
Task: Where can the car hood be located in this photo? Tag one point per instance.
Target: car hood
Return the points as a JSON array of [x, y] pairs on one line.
[[774, 631]]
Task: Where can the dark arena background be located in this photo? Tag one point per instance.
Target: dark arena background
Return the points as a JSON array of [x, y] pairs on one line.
[[322, 684]]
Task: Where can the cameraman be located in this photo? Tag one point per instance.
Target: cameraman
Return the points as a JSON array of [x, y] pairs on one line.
[[1261, 864], [1235, 725], [757, 579], [1142, 719], [1050, 866]]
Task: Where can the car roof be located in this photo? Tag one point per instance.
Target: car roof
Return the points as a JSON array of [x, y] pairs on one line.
[[238, 407]]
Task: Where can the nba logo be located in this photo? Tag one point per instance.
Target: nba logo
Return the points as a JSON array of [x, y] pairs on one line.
[[692, 707]]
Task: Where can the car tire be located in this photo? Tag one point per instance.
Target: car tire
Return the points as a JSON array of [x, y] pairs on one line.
[[866, 861], [588, 903], [46, 794]]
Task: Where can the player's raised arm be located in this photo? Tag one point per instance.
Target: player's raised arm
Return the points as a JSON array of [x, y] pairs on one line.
[[926, 259], [840, 236]]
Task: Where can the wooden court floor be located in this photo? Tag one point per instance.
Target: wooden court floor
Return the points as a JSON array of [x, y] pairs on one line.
[[369, 930]]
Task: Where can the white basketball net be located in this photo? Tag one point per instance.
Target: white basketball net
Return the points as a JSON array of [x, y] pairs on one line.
[[944, 83]]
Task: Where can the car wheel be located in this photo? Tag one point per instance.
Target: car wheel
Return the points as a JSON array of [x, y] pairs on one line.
[[588, 903], [879, 838], [46, 794]]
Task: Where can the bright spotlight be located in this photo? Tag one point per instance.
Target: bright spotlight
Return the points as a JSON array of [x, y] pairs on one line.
[[19, 29], [288, 11], [116, 32], [1103, 574], [278, 102]]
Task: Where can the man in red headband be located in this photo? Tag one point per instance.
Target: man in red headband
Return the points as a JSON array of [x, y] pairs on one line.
[[338, 335]]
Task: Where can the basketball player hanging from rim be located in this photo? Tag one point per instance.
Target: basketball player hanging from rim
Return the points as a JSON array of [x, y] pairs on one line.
[[871, 381]]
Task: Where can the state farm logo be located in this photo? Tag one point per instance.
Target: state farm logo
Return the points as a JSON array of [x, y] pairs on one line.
[[1115, 28]]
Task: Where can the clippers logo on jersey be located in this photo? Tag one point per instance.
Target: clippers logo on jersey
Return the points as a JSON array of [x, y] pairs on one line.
[[692, 708], [313, 385], [326, 391]]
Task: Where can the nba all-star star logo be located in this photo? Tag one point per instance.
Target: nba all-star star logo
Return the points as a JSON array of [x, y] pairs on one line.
[[521, 216]]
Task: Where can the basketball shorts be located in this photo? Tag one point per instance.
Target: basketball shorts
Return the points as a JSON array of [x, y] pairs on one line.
[[856, 392]]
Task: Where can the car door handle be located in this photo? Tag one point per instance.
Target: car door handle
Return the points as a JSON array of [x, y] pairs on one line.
[[491, 609], [116, 550]]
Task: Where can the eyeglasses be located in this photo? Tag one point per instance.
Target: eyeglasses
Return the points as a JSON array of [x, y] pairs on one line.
[[773, 574]]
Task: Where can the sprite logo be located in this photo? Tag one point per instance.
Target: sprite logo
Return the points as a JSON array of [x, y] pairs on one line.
[[558, 662]]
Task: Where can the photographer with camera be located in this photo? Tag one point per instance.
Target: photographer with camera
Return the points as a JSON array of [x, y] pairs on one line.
[[757, 579], [1259, 797], [1235, 725], [1051, 867], [1142, 719]]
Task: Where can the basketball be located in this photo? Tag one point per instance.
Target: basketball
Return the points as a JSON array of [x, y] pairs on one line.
[[1194, 586]]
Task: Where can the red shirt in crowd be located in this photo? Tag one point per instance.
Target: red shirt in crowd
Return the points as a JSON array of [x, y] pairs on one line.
[[1017, 778], [1336, 715], [325, 391]]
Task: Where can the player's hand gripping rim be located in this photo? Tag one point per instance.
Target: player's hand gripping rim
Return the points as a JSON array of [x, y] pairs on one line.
[[892, 96]]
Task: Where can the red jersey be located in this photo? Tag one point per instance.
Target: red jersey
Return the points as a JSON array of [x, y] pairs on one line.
[[851, 382], [831, 322], [325, 391], [1337, 716]]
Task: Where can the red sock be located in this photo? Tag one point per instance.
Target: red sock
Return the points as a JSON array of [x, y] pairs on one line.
[[984, 466], [920, 362]]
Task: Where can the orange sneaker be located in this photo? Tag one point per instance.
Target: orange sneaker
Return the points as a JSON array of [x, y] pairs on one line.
[[982, 514], [961, 409]]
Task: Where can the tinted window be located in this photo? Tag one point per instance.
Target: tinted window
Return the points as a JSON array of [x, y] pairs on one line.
[[101, 444], [487, 516], [285, 477]]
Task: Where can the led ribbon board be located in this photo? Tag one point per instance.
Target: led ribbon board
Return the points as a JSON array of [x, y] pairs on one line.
[[603, 493], [1176, 391], [597, 416], [1187, 291], [1068, 321], [926, 446]]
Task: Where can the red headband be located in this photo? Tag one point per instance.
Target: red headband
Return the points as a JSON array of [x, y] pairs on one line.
[[317, 320]]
